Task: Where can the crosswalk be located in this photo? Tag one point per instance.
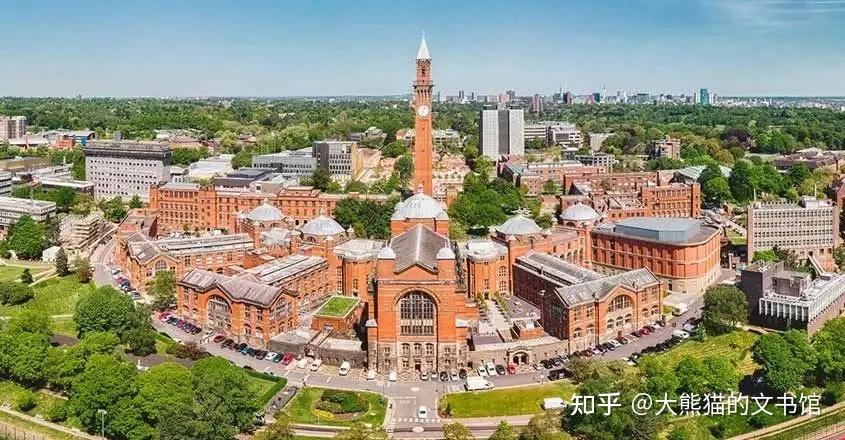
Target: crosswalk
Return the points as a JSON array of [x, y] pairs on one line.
[[417, 420]]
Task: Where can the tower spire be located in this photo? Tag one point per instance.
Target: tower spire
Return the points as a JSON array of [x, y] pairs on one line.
[[422, 54]]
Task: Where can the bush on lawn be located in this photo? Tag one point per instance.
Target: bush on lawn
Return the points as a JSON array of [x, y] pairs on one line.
[[13, 293], [188, 350], [834, 393], [342, 402], [56, 412], [25, 400]]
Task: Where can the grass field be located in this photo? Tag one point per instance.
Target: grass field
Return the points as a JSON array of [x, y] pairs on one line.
[[64, 326], [735, 346], [57, 296], [10, 273], [9, 392], [338, 306], [506, 401], [301, 409]]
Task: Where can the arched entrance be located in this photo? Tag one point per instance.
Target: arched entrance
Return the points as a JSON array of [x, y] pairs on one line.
[[520, 358]]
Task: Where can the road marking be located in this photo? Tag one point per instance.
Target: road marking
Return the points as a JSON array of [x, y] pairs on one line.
[[328, 379]]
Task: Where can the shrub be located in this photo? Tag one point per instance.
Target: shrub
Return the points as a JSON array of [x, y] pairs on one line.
[[834, 393], [56, 412], [25, 400], [342, 402], [188, 350], [13, 293]]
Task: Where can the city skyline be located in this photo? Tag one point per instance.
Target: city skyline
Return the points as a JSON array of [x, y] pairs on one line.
[[257, 48]]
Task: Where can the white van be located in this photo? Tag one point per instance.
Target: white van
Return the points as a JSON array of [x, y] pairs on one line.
[[344, 368], [475, 383], [553, 403], [680, 333], [316, 364]]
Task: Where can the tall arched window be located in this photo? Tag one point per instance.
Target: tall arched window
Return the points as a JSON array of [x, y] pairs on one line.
[[160, 266], [619, 303], [503, 271], [610, 324], [417, 314], [219, 312], [576, 333]]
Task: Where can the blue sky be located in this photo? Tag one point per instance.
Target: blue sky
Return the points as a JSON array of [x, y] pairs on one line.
[[283, 47]]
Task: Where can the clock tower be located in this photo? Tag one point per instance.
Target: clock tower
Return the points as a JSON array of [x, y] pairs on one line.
[[422, 126]]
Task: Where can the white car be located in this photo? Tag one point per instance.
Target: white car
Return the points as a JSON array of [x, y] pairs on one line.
[[371, 375], [614, 343], [392, 376], [681, 334], [454, 376], [316, 364], [491, 369], [344, 368], [302, 363], [482, 372], [422, 413], [271, 356]]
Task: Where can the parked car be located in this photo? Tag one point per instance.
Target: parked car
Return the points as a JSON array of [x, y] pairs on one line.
[[453, 376], [444, 376], [491, 369], [680, 334], [218, 339], [391, 377], [424, 375], [227, 343], [371, 374], [422, 412], [482, 371], [511, 369], [462, 373], [316, 364], [344, 368], [302, 363], [288, 358], [500, 370]]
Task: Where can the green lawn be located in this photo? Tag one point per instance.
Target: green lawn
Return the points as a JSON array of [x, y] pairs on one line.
[[506, 401], [338, 306], [735, 238], [9, 392], [735, 346], [10, 273], [64, 326], [301, 409], [267, 386], [56, 296]]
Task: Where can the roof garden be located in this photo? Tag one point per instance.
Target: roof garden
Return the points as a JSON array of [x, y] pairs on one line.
[[338, 306]]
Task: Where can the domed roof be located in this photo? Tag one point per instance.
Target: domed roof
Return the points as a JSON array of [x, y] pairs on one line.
[[265, 212], [419, 206], [322, 225], [519, 225], [579, 212]]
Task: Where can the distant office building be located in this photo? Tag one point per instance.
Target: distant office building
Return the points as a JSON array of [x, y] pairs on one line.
[[372, 134], [667, 147], [11, 209], [502, 132], [511, 95], [126, 168], [5, 183], [342, 159], [809, 228], [288, 163], [567, 98], [554, 133], [780, 298], [13, 127], [461, 96], [603, 161], [704, 97], [537, 104], [597, 97], [447, 137]]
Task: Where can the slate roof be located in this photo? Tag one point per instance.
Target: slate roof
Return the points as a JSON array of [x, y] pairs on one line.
[[238, 289], [556, 269], [598, 289], [418, 245]]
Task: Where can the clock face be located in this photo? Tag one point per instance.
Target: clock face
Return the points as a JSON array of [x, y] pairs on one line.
[[422, 111]]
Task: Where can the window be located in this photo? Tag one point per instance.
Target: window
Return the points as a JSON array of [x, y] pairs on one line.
[[406, 349], [355, 283], [503, 272], [417, 314], [417, 349], [429, 349], [576, 333], [610, 324], [619, 303]]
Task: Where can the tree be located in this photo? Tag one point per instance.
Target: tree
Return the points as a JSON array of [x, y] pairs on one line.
[[219, 383], [504, 431], [830, 352], [23, 357], [13, 293], [105, 382], [370, 219], [543, 426], [114, 209], [359, 431], [279, 430], [404, 169], [716, 191], [321, 179], [456, 431], [26, 238], [798, 173], [26, 276], [163, 290], [164, 387], [62, 268], [30, 321], [105, 309], [742, 188], [135, 202], [724, 308], [141, 341], [83, 269], [786, 359], [689, 431], [395, 149], [355, 186], [550, 187]]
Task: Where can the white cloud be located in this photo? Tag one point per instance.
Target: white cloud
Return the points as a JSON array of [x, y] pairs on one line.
[[778, 14]]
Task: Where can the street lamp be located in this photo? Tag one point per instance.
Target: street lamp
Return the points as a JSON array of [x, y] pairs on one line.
[[102, 414]]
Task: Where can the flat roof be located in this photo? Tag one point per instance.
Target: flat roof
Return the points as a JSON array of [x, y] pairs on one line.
[[338, 306]]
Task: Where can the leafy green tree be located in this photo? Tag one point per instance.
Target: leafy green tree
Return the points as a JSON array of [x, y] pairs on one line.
[[724, 308], [163, 290], [135, 202], [84, 270], [543, 426], [504, 431], [23, 356], [786, 359], [550, 187], [369, 218], [395, 149], [26, 276], [355, 186], [660, 378], [716, 191], [218, 383], [280, 429], [689, 431], [186, 156], [691, 375], [114, 210], [141, 340], [104, 384], [13, 293], [742, 188], [105, 310], [61, 264], [456, 431], [321, 179], [65, 364], [830, 352], [720, 374], [30, 321], [163, 387], [26, 238], [404, 169]]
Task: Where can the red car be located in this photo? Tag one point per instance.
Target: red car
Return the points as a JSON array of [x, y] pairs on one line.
[[511, 369], [644, 331], [163, 316], [218, 339], [287, 358]]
